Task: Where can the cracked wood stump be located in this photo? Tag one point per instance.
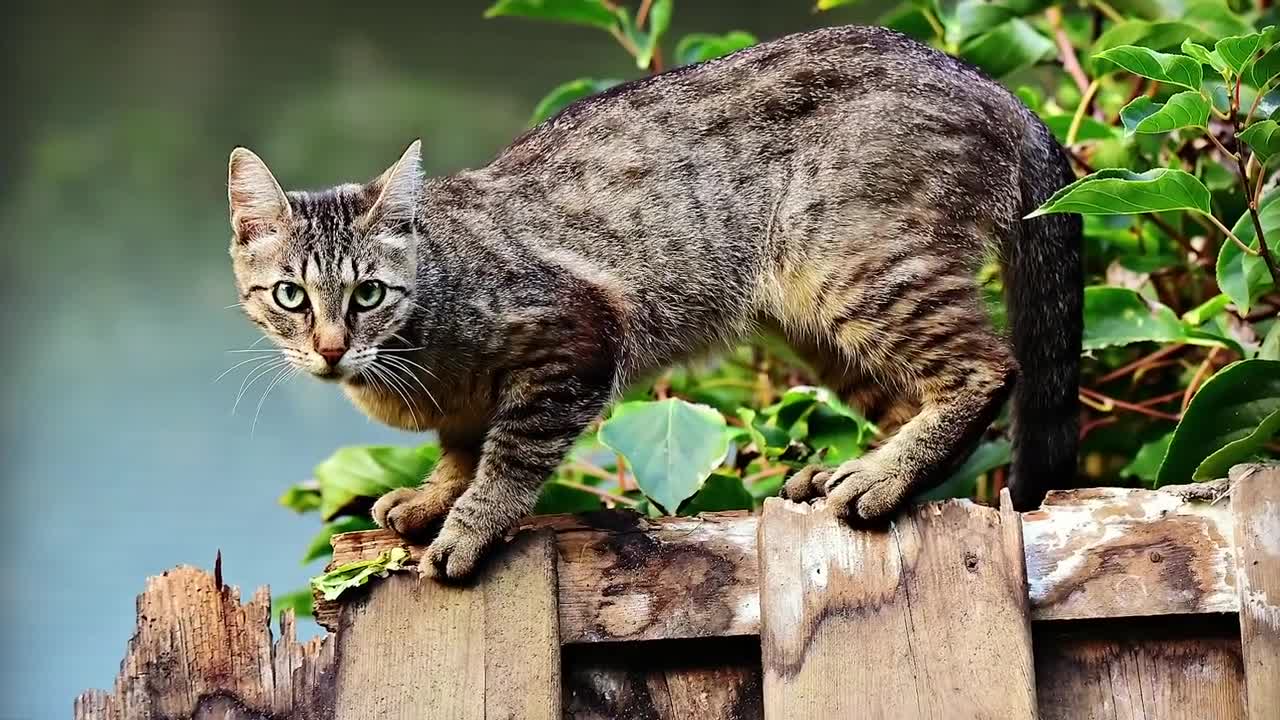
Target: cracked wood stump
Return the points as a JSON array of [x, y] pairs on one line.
[[896, 623], [1255, 502], [198, 654]]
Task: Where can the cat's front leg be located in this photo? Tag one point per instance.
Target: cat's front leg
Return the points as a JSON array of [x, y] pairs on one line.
[[534, 428], [415, 512]]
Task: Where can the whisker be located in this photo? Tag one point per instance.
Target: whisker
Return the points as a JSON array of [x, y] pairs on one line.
[[396, 362], [255, 342], [414, 364], [401, 350], [281, 376], [252, 378], [384, 374], [242, 362], [277, 351], [234, 305]]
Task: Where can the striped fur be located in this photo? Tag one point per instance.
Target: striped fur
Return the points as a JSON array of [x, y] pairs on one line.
[[841, 187]]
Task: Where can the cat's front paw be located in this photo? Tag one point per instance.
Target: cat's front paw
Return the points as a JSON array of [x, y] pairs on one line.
[[806, 484], [861, 490], [456, 551], [411, 513]]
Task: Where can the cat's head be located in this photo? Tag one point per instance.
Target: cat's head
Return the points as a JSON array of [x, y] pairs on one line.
[[329, 275]]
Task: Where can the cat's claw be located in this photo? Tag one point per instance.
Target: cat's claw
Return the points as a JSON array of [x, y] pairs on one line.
[[859, 491], [455, 553], [807, 484]]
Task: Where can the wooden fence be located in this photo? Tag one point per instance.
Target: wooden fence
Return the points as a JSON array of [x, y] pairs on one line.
[[1105, 603]]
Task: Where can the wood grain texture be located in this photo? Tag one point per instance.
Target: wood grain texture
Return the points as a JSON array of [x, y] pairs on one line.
[[198, 653], [1140, 670], [1255, 502], [626, 577], [1116, 552], [702, 679], [1091, 553], [890, 623], [413, 648]]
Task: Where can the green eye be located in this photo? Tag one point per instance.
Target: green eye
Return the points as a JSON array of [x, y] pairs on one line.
[[290, 296], [369, 294]]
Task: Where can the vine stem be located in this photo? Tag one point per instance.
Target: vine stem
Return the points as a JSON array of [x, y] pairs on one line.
[[1066, 51], [1078, 118], [1198, 378], [1105, 403], [1232, 236], [1140, 363], [602, 494], [1262, 250]]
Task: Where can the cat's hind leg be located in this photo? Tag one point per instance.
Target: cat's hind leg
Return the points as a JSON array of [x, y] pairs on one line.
[[949, 358]]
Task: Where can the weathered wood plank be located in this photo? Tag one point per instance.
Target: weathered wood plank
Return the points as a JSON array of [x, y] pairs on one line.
[[1115, 552], [413, 648], [625, 577], [1089, 553], [198, 653], [1255, 503], [1139, 670], [879, 623], [699, 679]]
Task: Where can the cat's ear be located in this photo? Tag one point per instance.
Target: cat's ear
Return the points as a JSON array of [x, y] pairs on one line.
[[257, 202], [396, 191]]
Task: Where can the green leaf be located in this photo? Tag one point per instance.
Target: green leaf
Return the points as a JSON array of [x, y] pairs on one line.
[[299, 601], [718, 493], [962, 483], [1263, 138], [1261, 71], [829, 4], [370, 472], [1270, 349], [1206, 310], [320, 547], [1185, 109], [1232, 416], [1123, 192], [1244, 277], [303, 497], [1237, 52], [769, 440], [565, 94], [1173, 69], [1119, 316], [1146, 463], [699, 47], [1204, 55], [1007, 48], [592, 13], [671, 445], [1154, 35], [659, 22], [556, 498], [1090, 129], [355, 574]]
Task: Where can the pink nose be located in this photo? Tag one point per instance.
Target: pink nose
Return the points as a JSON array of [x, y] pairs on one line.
[[332, 355]]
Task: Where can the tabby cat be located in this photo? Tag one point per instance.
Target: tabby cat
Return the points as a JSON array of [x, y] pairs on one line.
[[840, 188]]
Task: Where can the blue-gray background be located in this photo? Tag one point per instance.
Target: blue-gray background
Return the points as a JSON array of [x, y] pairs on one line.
[[120, 455]]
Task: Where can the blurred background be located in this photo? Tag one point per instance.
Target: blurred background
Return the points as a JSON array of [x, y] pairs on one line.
[[121, 457]]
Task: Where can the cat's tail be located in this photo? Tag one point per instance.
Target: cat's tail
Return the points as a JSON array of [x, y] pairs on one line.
[[1044, 290]]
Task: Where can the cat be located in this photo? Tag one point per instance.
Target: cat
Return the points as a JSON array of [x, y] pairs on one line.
[[839, 187]]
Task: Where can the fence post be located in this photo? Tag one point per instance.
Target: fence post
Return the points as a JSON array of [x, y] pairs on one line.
[[925, 619], [417, 649], [1255, 505]]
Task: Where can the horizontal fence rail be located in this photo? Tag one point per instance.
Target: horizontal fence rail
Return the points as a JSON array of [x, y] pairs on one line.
[[1103, 603]]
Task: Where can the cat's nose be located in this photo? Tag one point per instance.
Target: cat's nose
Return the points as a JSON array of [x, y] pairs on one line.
[[331, 355]]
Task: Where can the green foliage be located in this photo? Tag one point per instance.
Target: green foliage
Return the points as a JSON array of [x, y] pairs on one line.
[[672, 446], [1229, 421], [1180, 299], [351, 575]]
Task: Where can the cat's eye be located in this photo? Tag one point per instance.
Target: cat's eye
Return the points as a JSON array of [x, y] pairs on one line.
[[291, 296], [369, 294]]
